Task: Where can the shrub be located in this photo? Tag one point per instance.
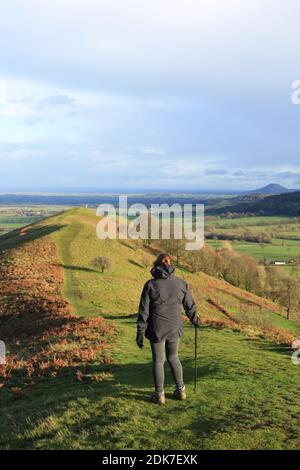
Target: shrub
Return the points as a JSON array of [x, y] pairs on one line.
[[102, 263]]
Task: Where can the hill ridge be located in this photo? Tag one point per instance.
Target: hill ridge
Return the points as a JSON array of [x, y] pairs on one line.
[[77, 227], [287, 204]]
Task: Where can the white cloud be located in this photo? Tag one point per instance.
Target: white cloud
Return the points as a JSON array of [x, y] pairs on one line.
[[55, 101], [165, 44], [183, 168], [216, 172], [2, 92], [175, 79], [152, 150], [24, 154], [15, 109]]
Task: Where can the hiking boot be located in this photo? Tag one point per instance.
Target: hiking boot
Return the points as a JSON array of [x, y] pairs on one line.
[[180, 394], [158, 398]]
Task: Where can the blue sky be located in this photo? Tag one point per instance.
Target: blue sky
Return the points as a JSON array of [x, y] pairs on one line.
[[101, 95]]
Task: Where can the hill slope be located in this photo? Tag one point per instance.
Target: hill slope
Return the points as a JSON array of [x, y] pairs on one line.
[[106, 405], [283, 204]]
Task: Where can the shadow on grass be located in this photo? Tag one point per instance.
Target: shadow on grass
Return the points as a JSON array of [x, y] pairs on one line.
[[99, 404], [127, 245], [131, 261], [273, 347], [119, 317], [24, 235]]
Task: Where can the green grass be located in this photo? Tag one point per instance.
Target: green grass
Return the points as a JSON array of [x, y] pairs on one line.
[[11, 220], [246, 399], [261, 317], [90, 291], [117, 290], [8, 224], [259, 221], [247, 395], [275, 251], [279, 228]]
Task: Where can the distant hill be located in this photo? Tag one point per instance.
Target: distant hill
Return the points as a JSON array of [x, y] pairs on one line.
[[272, 189], [281, 204]]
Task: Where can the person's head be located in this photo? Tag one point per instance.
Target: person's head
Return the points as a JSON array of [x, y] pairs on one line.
[[163, 259]]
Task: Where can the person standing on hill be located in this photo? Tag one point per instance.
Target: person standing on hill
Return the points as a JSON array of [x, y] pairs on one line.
[[160, 320]]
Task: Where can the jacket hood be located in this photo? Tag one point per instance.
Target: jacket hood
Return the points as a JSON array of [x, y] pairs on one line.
[[162, 272]]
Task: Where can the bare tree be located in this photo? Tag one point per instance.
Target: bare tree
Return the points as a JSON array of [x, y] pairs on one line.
[[102, 263]]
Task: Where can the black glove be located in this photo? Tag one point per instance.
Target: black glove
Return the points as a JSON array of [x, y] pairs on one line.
[[140, 339], [196, 321]]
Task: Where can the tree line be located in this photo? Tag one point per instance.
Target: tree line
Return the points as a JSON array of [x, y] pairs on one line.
[[243, 271]]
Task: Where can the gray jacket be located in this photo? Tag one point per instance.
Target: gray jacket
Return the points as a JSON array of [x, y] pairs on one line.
[[160, 309]]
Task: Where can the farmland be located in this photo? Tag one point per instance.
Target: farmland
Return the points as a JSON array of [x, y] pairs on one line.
[[282, 233], [14, 217]]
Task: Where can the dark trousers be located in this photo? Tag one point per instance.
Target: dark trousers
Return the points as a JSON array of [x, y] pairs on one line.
[[159, 352]]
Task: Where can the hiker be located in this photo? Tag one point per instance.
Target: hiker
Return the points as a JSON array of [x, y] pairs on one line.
[[160, 320]]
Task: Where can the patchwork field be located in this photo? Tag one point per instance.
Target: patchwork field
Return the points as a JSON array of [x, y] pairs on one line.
[[283, 232], [14, 217]]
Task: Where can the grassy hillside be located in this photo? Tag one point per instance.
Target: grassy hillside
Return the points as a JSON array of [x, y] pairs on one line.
[[246, 394]]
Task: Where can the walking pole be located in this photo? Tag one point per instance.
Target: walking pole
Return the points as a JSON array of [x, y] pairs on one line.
[[195, 365]]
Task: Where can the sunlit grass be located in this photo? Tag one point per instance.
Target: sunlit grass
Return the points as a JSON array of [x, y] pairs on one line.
[[247, 388]]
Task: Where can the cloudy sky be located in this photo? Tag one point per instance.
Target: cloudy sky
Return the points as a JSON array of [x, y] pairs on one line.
[[101, 95]]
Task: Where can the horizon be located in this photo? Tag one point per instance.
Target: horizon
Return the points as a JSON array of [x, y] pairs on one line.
[[145, 191]]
